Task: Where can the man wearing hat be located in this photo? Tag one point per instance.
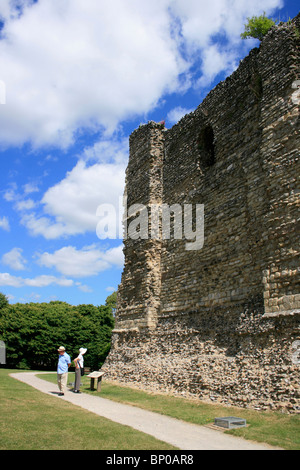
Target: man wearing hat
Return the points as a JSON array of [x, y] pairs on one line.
[[64, 362], [79, 368]]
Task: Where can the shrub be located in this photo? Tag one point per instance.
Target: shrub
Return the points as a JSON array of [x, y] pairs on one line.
[[257, 27]]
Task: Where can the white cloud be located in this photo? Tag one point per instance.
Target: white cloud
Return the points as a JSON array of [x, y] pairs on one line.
[[14, 259], [84, 63], [19, 200], [89, 261], [76, 64], [110, 289], [177, 113], [4, 224], [10, 194], [115, 256], [211, 32], [44, 281], [84, 287], [107, 151], [69, 207], [24, 205], [7, 279], [4, 9], [30, 188], [201, 20], [215, 60], [10, 9]]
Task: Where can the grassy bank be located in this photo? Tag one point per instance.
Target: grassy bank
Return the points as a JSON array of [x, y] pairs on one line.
[[31, 420], [276, 429]]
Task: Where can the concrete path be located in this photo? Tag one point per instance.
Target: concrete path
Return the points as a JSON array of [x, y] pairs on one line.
[[184, 436]]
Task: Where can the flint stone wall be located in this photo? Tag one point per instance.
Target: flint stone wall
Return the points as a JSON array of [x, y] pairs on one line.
[[220, 323]]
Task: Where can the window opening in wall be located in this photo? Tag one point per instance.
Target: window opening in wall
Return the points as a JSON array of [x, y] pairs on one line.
[[206, 146]]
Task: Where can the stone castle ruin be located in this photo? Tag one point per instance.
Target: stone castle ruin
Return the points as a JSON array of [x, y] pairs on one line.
[[220, 323]]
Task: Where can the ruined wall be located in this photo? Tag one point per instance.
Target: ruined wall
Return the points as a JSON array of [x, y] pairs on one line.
[[220, 323]]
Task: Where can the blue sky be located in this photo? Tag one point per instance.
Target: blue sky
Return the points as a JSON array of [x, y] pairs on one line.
[[76, 78]]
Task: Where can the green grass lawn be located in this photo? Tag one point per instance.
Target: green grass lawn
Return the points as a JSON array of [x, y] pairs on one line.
[[31, 420], [276, 429]]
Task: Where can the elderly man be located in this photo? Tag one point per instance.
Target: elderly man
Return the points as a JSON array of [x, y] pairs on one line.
[[64, 362]]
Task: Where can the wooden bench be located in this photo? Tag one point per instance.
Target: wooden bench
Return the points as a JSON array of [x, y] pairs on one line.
[[93, 376]]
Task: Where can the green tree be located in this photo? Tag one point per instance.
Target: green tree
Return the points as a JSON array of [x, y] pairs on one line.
[[3, 301], [111, 300], [257, 27], [32, 332]]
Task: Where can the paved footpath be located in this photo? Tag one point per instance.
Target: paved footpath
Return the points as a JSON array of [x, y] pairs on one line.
[[184, 436]]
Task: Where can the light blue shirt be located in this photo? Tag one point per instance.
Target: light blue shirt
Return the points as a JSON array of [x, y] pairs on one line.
[[63, 361]]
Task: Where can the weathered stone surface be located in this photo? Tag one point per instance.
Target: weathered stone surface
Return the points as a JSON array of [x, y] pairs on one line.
[[220, 323]]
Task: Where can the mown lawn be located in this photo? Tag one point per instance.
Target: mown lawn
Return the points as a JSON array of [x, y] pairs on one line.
[[276, 429], [31, 420]]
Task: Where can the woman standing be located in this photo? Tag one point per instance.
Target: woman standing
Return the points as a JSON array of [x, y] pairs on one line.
[[79, 364]]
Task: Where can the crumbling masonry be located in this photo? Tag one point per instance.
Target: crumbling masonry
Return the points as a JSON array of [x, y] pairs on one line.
[[220, 323]]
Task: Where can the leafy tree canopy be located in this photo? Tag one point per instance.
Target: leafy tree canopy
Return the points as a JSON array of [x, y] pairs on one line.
[[3, 301], [257, 27], [33, 332]]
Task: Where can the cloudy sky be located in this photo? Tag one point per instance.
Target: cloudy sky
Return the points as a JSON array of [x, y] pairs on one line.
[[76, 78]]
